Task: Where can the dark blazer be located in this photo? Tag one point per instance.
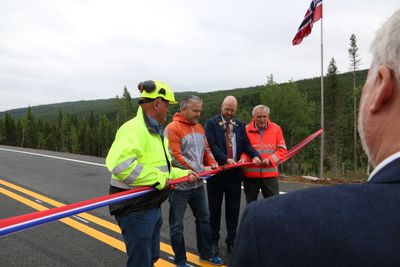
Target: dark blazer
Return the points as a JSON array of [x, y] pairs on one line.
[[346, 225], [215, 134]]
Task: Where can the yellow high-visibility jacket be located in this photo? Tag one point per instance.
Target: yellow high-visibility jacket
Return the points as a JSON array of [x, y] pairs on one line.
[[139, 156]]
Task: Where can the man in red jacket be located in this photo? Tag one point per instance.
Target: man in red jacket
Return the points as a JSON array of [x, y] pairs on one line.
[[267, 138]]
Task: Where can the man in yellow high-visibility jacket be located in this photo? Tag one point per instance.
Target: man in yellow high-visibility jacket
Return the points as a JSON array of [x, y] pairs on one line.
[[139, 156]]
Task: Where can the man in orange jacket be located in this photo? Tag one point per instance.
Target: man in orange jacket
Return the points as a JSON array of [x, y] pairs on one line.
[[267, 138], [189, 149]]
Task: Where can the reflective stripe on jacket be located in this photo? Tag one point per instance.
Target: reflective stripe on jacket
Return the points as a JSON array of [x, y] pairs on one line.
[[269, 144], [138, 157]]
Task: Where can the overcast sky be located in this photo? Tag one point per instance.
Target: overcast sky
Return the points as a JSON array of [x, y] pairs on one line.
[[69, 50]]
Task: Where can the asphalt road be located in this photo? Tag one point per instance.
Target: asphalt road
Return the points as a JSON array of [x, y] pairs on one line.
[[31, 180]]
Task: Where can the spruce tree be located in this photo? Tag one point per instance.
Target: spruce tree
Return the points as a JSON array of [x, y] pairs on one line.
[[333, 102]]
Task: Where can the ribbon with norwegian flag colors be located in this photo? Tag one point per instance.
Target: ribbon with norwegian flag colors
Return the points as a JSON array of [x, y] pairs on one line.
[[25, 221], [300, 145]]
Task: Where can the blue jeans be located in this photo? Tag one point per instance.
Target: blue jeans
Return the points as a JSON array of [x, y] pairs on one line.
[[141, 233], [196, 198]]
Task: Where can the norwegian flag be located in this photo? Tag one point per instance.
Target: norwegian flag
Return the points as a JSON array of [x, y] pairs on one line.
[[313, 14]]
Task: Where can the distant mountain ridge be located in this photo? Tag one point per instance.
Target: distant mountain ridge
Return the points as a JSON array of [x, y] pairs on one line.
[[81, 108]]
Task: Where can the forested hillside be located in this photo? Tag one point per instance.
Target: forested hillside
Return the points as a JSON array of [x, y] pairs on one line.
[[88, 127], [81, 109]]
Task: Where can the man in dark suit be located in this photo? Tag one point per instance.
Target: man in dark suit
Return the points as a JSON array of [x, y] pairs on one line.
[[227, 139], [348, 225]]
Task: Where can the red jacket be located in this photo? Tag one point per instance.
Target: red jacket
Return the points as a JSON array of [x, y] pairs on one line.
[[270, 144]]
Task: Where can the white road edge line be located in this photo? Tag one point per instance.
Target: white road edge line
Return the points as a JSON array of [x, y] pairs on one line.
[[53, 157], [67, 159]]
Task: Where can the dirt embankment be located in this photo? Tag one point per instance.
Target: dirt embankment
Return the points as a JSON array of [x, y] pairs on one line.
[[316, 180]]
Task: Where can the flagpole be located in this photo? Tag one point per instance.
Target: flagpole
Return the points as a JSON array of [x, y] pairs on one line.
[[321, 170]]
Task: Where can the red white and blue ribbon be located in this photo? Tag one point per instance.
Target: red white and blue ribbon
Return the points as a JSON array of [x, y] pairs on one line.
[[25, 221], [300, 145], [22, 222]]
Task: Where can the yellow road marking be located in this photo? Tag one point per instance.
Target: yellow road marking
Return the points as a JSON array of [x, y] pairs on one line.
[[106, 224], [87, 216], [109, 240], [77, 225]]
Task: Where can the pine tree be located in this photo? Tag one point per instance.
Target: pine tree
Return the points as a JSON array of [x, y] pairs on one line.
[[31, 130], [1, 131], [59, 133], [84, 136], [74, 140], [10, 131], [125, 107], [105, 136], [354, 64]]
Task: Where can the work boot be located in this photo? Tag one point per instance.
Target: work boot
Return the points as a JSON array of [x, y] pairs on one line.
[[214, 261]]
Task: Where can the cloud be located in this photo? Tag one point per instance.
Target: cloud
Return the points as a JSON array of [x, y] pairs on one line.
[[56, 51]]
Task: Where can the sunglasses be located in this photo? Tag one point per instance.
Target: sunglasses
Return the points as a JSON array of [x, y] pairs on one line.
[[149, 87]]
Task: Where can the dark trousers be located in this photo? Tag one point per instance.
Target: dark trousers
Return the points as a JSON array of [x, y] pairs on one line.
[[228, 183], [269, 187]]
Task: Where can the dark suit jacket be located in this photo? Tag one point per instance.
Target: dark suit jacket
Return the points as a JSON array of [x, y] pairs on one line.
[[216, 139], [346, 225]]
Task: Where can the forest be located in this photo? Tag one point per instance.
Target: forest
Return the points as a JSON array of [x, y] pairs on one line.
[[295, 106]]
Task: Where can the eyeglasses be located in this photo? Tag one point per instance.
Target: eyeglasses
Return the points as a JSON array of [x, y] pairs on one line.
[[149, 87]]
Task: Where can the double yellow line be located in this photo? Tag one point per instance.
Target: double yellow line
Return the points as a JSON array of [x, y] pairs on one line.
[[109, 240]]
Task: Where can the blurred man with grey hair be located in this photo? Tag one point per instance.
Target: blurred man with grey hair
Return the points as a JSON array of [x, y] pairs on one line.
[[347, 225]]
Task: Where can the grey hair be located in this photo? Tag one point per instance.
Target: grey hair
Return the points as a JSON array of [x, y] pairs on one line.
[[260, 107], [190, 98], [386, 46]]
